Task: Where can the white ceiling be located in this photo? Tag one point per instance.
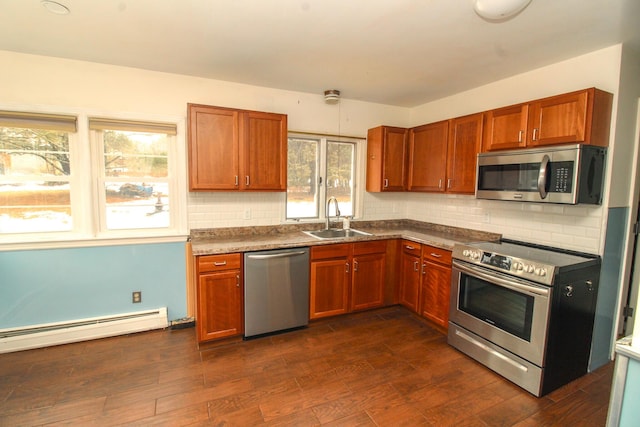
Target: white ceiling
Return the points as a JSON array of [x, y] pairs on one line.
[[396, 52]]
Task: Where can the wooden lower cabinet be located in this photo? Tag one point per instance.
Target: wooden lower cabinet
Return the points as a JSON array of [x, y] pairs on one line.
[[346, 277], [219, 312], [436, 285], [426, 281], [410, 270]]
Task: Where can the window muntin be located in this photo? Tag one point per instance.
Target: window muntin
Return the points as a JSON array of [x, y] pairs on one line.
[[318, 168], [35, 180]]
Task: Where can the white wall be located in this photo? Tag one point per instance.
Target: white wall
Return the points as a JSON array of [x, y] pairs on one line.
[[30, 81], [572, 227], [27, 81]]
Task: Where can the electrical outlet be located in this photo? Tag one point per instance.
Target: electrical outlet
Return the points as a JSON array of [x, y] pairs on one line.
[[247, 213], [136, 297]]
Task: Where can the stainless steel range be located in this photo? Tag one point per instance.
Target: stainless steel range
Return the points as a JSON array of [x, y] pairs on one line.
[[524, 311]]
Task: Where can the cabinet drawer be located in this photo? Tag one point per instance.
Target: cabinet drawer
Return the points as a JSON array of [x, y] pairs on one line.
[[411, 248], [207, 263], [442, 256], [340, 250], [372, 247]]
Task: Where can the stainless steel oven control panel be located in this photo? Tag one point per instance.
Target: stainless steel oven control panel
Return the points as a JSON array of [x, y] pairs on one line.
[[530, 270]]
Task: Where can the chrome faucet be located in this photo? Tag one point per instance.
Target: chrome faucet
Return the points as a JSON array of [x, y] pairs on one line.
[[332, 199]]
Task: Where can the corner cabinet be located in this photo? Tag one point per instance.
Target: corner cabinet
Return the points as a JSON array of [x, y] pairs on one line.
[[236, 150], [219, 311], [577, 117], [386, 159], [346, 277]]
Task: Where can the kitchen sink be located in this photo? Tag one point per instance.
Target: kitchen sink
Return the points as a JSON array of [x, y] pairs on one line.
[[336, 233]]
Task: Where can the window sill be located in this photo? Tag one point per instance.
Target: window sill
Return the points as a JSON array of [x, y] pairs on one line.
[[90, 242]]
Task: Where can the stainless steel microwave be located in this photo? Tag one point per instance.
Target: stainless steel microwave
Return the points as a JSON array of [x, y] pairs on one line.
[[568, 174]]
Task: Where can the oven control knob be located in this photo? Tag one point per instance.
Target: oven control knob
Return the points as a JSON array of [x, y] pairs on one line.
[[466, 252], [529, 268], [541, 272], [475, 255], [518, 266]]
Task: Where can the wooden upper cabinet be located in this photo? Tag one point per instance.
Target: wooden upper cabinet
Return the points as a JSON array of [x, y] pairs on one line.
[[582, 117], [386, 159], [214, 148], [576, 117], [428, 157], [264, 150], [465, 139], [232, 149], [505, 128]]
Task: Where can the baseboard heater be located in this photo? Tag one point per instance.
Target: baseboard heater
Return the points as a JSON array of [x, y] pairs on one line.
[[49, 334]]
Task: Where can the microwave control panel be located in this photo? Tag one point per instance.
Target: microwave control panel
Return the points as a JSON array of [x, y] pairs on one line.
[[561, 179]]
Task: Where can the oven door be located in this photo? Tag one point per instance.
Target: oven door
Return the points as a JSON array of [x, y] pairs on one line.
[[507, 311]]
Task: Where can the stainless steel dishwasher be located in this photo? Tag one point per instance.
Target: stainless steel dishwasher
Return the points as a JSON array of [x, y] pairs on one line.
[[276, 290]]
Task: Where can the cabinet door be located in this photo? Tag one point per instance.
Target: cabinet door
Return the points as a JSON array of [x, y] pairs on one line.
[[329, 288], [213, 148], [436, 286], [386, 159], [264, 151], [428, 157], [558, 119], [505, 128], [410, 281], [465, 138], [367, 290], [219, 305]]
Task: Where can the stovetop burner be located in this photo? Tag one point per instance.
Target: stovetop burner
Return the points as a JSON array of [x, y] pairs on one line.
[[533, 262]]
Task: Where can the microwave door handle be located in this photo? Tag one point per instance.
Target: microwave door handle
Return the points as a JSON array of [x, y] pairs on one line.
[[542, 177]]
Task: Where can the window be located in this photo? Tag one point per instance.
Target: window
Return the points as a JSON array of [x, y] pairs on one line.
[[116, 179], [35, 172], [133, 174], [320, 168]]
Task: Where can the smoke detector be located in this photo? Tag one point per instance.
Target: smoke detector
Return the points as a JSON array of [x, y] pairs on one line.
[[332, 96]]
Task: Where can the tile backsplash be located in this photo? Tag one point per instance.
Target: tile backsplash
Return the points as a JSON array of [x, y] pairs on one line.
[[565, 226]]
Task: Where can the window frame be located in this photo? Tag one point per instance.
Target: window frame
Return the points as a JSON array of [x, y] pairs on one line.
[[84, 157], [358, 175]]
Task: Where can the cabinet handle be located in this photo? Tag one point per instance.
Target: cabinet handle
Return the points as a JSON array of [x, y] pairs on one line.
[[520, 136], [440, 183], [424, 268], [449, 183], [220, 264], [355, 265], [535, 134], [435, 255], [415, 265], [409, 247], [237, 280], [247, 180], [386, 183], [237, 182], [347, 267]]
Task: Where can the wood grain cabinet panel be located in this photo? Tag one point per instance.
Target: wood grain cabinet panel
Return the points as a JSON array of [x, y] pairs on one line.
[[410, 274], [465, 140], [386, 159], [428, 157], [219, 312], [236, 150], [436, 289]]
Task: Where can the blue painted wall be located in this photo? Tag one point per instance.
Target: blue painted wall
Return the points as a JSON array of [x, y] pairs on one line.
[[609, 288], [630, 411], [42, 286]]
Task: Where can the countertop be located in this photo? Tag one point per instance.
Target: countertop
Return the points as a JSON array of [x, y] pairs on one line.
[[245, 239]]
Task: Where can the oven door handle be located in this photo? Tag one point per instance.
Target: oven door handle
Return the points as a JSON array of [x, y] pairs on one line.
[[496, 279]]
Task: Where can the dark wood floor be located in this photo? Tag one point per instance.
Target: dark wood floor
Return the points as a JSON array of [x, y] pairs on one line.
[[385, 367]]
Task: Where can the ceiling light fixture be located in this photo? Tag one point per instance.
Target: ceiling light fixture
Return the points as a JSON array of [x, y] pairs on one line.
[[332, 96], [499, 10], [55, 7]]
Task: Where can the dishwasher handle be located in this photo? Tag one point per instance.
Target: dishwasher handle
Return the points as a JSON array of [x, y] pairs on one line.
[[279, 255]]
